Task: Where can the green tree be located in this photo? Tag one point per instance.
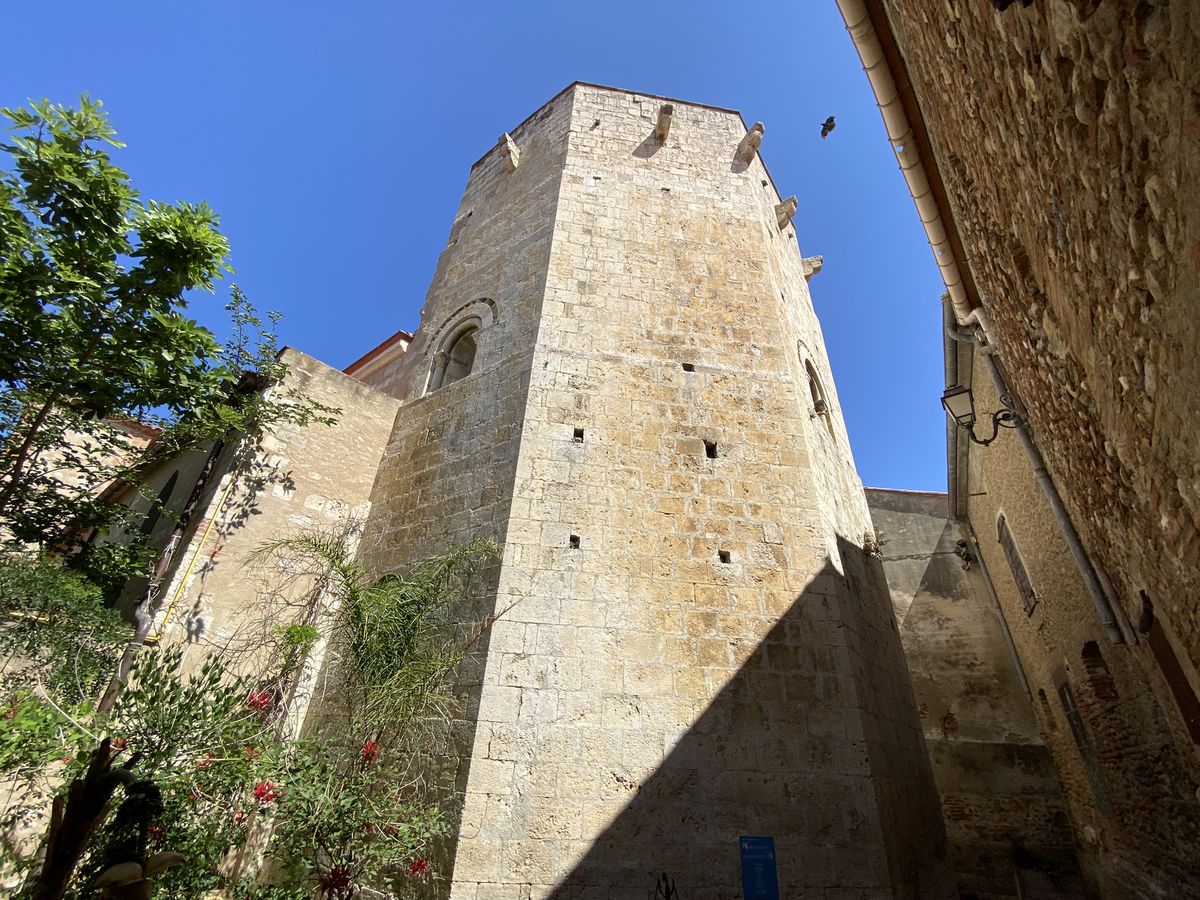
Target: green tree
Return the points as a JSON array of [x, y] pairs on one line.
[[92, 285], [93, 331]]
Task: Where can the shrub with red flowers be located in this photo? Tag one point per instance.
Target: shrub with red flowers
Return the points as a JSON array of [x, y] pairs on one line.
[[265, 792], [339, 810], [346, 823]]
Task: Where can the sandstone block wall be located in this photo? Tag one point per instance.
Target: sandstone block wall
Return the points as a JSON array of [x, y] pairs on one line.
[[290, 481], [698, 648], [1005, 813]]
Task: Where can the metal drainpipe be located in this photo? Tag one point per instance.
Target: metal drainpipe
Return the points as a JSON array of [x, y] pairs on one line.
[[899, 131], [950, 361], [900, 134], [1104, 609]]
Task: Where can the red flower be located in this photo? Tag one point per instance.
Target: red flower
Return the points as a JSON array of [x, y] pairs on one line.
[[253, 753], [158, 835], [370, 750], [418, 867], [118, 744], [205, 763], [240, 817], [264, 792], [259, 701]]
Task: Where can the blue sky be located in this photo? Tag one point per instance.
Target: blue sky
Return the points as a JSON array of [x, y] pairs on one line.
[[335, 141]]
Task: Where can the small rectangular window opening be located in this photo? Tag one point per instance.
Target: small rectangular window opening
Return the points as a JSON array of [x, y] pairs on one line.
[[689, 367], [724, 556], [578, 436], [573, 542], [710, 449]]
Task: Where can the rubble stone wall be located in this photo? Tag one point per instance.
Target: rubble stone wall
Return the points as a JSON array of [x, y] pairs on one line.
[[1068, 138], [1130, 775]]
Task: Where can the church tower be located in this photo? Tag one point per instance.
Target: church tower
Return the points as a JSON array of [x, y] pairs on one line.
[[619, 375]]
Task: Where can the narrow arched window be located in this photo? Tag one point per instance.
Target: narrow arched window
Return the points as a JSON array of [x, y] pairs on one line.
[[460, 356], [817, 389], [1017, 565], [456, 359], [820, 402]]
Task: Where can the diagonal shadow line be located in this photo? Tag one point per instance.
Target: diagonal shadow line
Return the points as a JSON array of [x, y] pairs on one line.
[[794, 745]]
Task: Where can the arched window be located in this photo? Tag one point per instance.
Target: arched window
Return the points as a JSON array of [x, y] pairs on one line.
[[817, 389], [460, 356], [456, 358]]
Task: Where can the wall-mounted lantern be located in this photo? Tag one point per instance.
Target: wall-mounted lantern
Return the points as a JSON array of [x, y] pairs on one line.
[[960, 406]]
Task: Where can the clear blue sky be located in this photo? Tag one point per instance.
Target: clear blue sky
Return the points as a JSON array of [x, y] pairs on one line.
[[335, 140]]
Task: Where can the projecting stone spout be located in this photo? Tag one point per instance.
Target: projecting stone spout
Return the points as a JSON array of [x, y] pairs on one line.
[[510, 151], [811, 265], [751, 142], [663, 126], [784, 211]]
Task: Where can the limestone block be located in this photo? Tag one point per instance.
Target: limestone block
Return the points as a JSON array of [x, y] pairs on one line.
[[509, 152]]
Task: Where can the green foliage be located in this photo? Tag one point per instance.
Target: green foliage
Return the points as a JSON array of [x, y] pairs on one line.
[[54, 622], [92, 286], [35, 735], [93, 292], [343, 822], [397, 636], [340, 808], [205, 746], [110, 566], [300, 637]]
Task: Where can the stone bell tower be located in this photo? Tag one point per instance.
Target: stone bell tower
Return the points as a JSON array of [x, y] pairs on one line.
[[619, 375]]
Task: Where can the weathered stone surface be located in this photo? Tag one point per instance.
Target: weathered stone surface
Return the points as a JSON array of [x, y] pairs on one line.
[[1066, 134], [995, 776], [289, 481], [1132, 783], [697, 648]]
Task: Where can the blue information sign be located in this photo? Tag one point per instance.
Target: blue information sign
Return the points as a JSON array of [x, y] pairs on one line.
[[759, 881]]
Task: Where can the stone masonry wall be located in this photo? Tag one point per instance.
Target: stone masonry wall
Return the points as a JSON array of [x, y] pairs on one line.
[[292, 480], [1132, 786], [699, 648], [1068, 138], [449, 472], [1004, 810]]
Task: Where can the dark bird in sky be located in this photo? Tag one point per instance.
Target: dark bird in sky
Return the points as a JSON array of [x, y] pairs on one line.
[[827, 126]]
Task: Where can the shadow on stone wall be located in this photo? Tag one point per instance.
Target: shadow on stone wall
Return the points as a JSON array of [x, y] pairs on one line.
[[775, 753]]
